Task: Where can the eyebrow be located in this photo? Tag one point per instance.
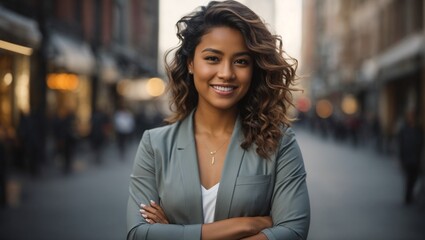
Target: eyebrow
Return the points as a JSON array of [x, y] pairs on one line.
[[221, 53]]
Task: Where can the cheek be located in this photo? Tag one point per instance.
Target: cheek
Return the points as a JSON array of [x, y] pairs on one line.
[[246, 78], [204, 72], [196, 84]]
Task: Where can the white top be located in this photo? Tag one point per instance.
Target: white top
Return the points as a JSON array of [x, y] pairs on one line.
[[209, 197]]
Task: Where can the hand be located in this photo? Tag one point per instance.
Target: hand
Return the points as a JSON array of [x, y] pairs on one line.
[[153, 213]]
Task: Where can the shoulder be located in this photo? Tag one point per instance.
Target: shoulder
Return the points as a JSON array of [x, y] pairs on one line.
[[157, 140], [288, 143], [288, 136], [162, 133]]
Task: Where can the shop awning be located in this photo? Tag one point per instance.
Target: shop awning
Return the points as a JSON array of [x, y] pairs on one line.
[[70, 55], [18, 29], [409, 47], [130, 63], [387, 65]]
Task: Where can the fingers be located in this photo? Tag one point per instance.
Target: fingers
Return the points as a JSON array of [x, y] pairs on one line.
[[144, 214], [153, 213], [159, 210]]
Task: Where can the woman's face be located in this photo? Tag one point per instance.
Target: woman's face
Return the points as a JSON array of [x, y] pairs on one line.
[[222, 68]]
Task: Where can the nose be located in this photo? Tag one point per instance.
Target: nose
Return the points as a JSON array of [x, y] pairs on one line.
[[226, 71]]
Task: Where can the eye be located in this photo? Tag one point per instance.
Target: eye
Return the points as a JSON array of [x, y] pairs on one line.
[[212, 59], [242, 61]]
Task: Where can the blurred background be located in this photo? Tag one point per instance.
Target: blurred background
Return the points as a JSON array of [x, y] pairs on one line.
[[80, 80]]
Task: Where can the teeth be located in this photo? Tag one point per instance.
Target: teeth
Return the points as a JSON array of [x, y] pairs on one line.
[[223, 89]]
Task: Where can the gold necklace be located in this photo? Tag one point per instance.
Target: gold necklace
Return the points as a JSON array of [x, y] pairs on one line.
[[212, 153]]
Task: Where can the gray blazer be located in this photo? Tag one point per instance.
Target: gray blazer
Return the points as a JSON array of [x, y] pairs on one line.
[[166, 171]]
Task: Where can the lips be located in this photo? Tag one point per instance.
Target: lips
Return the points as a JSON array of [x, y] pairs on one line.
[[223, 89]]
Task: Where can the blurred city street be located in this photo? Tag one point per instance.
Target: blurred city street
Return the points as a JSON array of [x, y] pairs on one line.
[[355, 194], [89, 203], [79, 78]]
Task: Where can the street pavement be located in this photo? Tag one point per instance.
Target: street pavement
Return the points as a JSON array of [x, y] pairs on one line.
[[355, 194], [89, 203]]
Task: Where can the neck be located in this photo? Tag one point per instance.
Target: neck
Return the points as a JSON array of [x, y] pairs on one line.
[[214, 123]]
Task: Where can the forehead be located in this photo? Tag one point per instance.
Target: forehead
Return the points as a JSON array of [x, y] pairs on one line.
[[223, 39]]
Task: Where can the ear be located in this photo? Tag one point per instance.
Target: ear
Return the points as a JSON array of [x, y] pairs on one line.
[[190, 65]]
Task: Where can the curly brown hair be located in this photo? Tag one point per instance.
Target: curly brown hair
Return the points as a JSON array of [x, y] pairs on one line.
[[263, 110]]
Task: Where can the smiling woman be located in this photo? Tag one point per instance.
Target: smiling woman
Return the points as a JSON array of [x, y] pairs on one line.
[[228, 165], [221, 69]]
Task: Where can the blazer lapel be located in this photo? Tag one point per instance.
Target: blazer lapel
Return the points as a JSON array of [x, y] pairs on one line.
[[229, 174], [186, 153]]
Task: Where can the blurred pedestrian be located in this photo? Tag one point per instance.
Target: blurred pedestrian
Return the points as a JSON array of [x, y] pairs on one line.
[[376, 133], [29, 135], [354, 125], [65, 137], [8, 143], [22, 131], [410, 139], [228, 165], [124, 124], [3, 167], [99, 132]]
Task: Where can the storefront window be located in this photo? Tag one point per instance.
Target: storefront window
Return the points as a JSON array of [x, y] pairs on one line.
[[71, 92], [22, 84], [84, 106], [6, 86], [14, 87]]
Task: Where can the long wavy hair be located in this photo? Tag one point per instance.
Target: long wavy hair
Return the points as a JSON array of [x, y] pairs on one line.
[[263, 110]]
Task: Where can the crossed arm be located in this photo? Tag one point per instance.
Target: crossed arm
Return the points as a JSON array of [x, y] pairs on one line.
[[247, 228]]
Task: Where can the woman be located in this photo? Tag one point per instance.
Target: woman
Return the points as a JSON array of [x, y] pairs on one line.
[[228, 165]]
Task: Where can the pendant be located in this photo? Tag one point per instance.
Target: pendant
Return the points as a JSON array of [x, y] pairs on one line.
[[212, 157]]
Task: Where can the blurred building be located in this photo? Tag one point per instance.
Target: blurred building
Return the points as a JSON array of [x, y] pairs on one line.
[[72, 54], [365, 58], [19, 39]]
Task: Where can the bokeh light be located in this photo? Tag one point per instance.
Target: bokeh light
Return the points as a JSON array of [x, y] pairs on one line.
[[62, 81], [349, 104], [155, 87], [324, 108]]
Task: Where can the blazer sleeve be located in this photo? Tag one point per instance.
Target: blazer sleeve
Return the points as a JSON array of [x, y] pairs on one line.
[[290, 209], [142, 189]]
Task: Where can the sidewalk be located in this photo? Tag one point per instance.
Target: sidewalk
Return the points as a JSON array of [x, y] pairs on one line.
[[356, 193], [89, 203]]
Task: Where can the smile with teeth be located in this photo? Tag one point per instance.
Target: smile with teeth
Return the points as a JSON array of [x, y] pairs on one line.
[[223, 88]]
